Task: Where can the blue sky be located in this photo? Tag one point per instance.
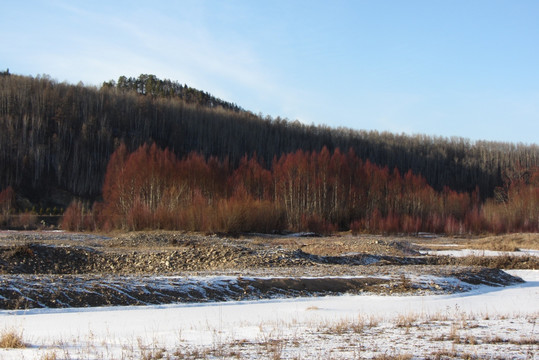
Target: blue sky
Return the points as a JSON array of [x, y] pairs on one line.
[[444, 68]]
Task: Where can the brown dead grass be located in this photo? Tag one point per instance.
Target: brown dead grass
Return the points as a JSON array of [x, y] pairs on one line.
[[11, 339], [393, 357], [338, 244], [506, 262], [508, 242]]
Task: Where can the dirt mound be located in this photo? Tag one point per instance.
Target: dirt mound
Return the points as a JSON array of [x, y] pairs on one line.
[[50, 259], [53, 291], [174, 253], [185, 256], [46, 259], [82, 291]]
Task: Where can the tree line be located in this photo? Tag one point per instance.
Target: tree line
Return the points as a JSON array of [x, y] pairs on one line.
[[318, 191], [56, 138]]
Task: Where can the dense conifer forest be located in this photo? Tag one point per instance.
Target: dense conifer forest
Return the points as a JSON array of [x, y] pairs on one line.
[[56, 140]]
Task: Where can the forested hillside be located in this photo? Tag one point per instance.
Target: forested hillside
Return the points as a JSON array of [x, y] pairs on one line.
[[56, 138], [151, 188]]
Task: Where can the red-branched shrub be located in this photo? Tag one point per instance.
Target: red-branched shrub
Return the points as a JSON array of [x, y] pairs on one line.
[[356, 227], [452, 226], [195, 216], [77, 217], [26, 221], [390, 224], [302, 191], [243, 213], [315, 223]]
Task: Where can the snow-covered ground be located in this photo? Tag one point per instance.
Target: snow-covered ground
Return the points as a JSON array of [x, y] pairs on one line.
[[485, 322]]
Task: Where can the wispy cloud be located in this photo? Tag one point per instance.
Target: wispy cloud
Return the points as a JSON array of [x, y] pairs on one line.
[[176, 45]]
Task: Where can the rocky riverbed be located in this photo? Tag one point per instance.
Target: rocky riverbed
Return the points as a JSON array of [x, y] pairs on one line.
[[56, 269]]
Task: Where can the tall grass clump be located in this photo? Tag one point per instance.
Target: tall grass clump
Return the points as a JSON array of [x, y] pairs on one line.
[[11, 339]]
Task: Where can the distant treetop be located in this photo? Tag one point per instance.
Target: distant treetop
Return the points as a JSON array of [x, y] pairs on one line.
[[147, 84]]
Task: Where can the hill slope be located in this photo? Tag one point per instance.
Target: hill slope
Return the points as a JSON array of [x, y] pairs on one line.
[[56, 138]]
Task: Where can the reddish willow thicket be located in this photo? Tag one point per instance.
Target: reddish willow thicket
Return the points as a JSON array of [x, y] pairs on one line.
[[303, 191]]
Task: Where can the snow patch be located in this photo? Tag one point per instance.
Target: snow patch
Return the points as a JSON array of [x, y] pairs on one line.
[[473, 252]]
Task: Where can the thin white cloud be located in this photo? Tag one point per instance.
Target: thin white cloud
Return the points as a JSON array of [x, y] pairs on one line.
[[180, 49]]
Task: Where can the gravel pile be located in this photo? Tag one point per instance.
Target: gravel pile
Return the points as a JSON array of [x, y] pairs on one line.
[[72, 270]]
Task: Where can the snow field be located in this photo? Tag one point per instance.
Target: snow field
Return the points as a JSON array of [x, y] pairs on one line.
[[486, 322]]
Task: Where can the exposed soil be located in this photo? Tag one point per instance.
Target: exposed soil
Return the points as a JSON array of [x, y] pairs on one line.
[[55, 269]]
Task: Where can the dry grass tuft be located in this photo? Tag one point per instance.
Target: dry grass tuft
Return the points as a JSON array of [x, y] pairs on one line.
[[454, 334], [373, 321], [49, 356], [526, 340], [347, 326], [393, 357], [405, 320], [470, 339], [444, 354], [505, 261], [340, 327], [10, 339]]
